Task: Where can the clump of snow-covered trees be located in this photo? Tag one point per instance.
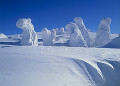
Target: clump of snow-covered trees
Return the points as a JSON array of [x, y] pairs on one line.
[[103, 36], [79, 35], [29, 34], [77, 32]]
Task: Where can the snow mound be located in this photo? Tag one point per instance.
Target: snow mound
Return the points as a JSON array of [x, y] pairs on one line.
[[2, 35], [29, 34]]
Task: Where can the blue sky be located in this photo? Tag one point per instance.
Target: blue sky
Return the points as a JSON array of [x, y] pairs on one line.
[[57, 13]]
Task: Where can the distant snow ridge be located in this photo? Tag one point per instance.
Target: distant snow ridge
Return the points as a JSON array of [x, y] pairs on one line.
[[2, 35], [62, 32], [76, 38], [29, 34], [47, 37], [114, 43], [103, 36], [81, 26]]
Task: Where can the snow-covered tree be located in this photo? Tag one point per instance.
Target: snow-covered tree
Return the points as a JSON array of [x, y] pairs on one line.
[[29, 34], [47, 37], [62, 31], [103, 35], [76, 38], [79, 22], [70, 27], [53, 34], [57, 31]]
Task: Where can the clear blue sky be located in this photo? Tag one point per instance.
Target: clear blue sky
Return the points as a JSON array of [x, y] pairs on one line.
[[57, 13]]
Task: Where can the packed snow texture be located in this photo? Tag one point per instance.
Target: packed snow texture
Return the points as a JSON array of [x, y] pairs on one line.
[[103, 35], [2, 35], [48, 37], [76, 38], [79, 22], [29, 34], [59, 66]]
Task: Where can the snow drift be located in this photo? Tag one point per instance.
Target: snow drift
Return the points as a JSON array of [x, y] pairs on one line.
[[59, 66]]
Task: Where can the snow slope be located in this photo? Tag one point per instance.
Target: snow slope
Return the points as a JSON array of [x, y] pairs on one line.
[[59, 66], [115, 43]]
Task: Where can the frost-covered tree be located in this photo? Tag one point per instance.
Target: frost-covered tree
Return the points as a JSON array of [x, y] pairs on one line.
[[70, 27], [53, 34], [76, 38], [103, 36], [62, 31], [47, 37], [79, 22], [57, 31], [29, 34]]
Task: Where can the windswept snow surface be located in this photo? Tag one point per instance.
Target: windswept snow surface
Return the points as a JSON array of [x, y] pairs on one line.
[[59, 66]]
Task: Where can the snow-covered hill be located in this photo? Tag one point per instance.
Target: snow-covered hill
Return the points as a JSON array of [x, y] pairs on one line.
[[57, 65]]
